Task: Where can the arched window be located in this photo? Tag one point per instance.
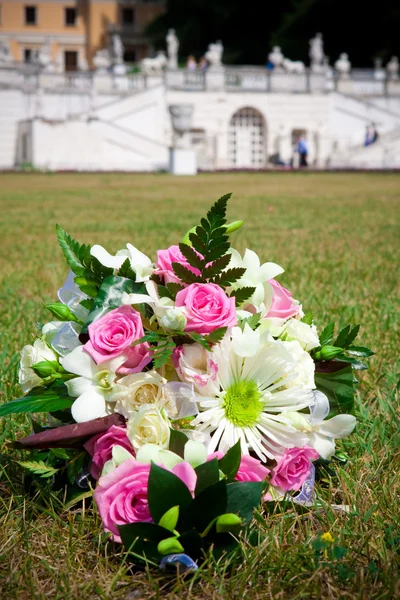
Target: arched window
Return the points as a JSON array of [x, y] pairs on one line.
[[246, 139]]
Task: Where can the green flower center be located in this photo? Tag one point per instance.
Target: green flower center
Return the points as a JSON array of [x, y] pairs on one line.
[[104, 380], [242, 403]]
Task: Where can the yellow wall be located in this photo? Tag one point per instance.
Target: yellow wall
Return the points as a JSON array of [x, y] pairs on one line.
[[50, 17], [101, 15]]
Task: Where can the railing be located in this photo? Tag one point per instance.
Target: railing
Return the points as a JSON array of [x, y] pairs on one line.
[[360, 82]]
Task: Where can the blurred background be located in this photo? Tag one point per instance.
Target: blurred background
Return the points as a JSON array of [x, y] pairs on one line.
[[149, 85]]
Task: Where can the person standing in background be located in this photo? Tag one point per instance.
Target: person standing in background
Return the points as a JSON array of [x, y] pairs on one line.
[[191, 63], [302, 149]]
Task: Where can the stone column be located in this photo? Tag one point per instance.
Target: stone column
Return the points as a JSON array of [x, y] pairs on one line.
[[182, 156]]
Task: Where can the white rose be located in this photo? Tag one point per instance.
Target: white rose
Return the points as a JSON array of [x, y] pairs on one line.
[[148, 426], [174, 319], [305, 366], [305, 334], [30, 355], [133, 391]]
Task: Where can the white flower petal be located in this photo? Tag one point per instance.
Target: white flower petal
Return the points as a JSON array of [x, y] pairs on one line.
[[195, 453], [338, 427], [323, 445], [269, 271], [78, 386], [79, 362], [106, 259], [91, 405]]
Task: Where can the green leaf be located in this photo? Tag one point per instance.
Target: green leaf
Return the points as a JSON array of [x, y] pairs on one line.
[[126, 270], [192, 257], [358, 365], [229, 464], [360, 351], [352, 335], [169, 520], [166, 490], [230, 276], [252, 321], [142, 538], [177, 442], [342, 337], [244, 497], [185, 274], [38, 468], [216, 216], [327, 335], [210, 503], [75, 466], [174, 288], [199, 243], [307, 319], [87, 303], [242, 294], [39, 401], [216, 267], [218, 251], [163, 353], [61, 311], [339, 388], [79, 259], [200, 339], [110, 296], [215, 336], [207, 474]]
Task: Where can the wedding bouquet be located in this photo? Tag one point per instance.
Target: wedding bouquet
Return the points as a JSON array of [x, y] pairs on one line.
[[183, 393]]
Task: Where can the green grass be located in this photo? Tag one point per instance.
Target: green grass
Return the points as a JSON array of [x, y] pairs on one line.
[[337, 237]]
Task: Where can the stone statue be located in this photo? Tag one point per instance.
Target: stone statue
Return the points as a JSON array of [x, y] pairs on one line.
[[172, 49], [214, 55], [59, 63], [181, 117], [82, 63], [379, 71], [117, 49], [43, 56], [393, 68], [102, 60], [343, 66], [154, 66], [316, 52], [6, 57], [276, 57], [295, 67]]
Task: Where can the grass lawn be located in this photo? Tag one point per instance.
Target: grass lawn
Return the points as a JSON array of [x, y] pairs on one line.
[[337, 236]]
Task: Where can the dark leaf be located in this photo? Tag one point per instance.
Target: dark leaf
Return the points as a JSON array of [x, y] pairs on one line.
[[216, 336], [339, 388], [197, 337], [199, 243], [166, 490], [358, 365], [216, 267], [205, 225], [174, 288], [87, 303], [242, 294], [327, 334], [218, 251], [207, 474], [341, 339], [210, 503], [360, 351], [185, 274], [192, 256], [352, 336], [41, 401], [229, 464], [142, 539], [217, 212], [69, 436], [244, 497], [230, 276], [192, 543], [218, 237], [164, 292], [177, 442], [126, 270]]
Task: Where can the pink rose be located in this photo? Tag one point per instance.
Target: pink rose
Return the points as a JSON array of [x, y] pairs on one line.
[[282, 305], [112, 335], [121, 496], [165, 258], [100, 447], [293, 468], [250, 469], [206, 307]]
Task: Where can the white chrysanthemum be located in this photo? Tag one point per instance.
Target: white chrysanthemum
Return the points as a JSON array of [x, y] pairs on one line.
[[254, 392]]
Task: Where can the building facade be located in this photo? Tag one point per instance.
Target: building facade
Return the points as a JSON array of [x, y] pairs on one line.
[[74, 30]]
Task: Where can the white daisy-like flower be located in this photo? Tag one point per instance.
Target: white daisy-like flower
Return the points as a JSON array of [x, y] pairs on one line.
[[254, 391]]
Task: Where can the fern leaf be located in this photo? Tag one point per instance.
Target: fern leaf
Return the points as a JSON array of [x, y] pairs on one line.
[[38, 468], [242, 294], [194, 259], [217, 266], [226, 278], [185, 274]]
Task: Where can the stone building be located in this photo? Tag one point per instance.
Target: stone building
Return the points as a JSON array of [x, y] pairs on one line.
[[75, 30]]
